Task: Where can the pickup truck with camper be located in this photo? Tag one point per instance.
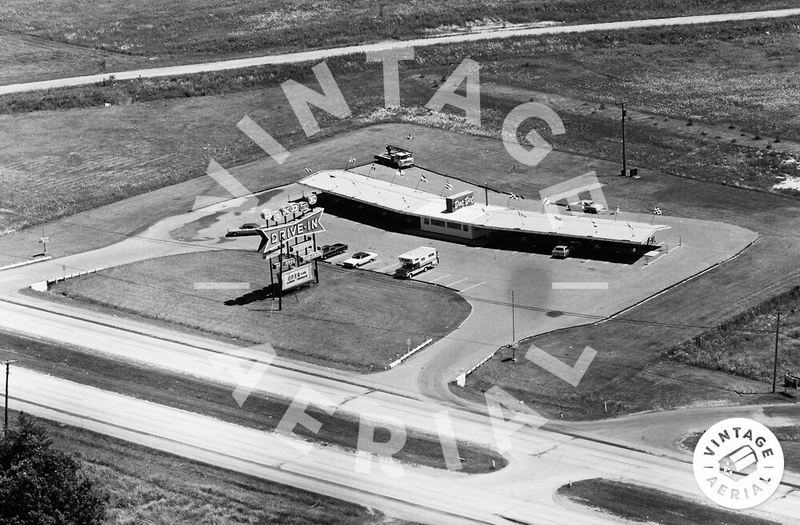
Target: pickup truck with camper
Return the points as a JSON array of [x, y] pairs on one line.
[[586, 206], [417, 261]]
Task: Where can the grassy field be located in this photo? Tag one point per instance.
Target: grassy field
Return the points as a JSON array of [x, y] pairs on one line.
[[147, 486], [159, 132], [642, 504], [744, 344], [214, 400], [352, 319], [61, 37]]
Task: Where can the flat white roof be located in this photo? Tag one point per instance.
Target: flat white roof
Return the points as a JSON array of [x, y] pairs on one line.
[[416, 202]]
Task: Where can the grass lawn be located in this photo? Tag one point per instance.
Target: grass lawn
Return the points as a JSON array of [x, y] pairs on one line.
[[745, 344], [147, 486], [62, 37], [642, 504], [353, 319], [214, 400]]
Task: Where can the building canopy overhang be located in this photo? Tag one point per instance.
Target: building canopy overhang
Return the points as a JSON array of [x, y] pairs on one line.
[[412, 201]]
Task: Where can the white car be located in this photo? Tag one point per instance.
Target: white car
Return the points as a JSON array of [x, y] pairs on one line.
[[359, 259]]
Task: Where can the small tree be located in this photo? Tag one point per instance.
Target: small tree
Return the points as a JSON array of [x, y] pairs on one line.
[[42, 485]]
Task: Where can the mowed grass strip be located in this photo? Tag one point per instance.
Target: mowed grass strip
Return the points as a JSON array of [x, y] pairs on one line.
[[644, 504], [352, 319], [148, 486], [215, 400]]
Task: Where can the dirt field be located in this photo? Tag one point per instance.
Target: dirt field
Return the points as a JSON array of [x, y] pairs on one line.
[[44, 38], [332, 323]]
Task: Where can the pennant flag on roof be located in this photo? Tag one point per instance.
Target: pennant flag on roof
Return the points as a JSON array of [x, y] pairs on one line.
[[423, 178], [448, 186]]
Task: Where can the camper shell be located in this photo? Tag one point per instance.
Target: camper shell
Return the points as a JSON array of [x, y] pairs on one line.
[[417, 261]]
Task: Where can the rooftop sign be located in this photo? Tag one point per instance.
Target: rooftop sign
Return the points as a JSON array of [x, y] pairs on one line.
[[458, 201]]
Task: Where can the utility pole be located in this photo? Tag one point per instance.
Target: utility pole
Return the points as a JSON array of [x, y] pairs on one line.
[[513, 330], [5, 425], [624, 161], [775, 368]]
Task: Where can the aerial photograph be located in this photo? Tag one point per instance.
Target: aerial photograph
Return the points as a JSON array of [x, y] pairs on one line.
[[348, 262]]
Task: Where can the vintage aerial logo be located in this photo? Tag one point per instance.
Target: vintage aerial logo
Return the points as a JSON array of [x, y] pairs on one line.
[[738, 463]]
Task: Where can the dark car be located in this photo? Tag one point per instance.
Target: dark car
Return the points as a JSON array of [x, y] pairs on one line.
[[248, 228], [332, 250]]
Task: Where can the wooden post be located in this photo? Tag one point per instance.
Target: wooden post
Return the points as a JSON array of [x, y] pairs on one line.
[[775, 367]]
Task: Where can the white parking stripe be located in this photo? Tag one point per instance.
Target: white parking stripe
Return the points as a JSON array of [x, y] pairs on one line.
[[456, 282], [471, 287], [580, 285], [438, 278]]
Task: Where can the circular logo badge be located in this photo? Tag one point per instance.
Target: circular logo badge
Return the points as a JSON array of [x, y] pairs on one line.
[[738, 463]]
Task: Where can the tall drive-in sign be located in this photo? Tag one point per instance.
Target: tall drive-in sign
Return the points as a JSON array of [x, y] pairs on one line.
[[458, 201], [288, 242]]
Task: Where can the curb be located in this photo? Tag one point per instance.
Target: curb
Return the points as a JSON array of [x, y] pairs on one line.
[[26, 263]]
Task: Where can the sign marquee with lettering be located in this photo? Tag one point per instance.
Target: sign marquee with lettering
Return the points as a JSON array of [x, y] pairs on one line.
[[272, 237]]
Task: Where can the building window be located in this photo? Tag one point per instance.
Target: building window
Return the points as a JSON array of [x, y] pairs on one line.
[[454, 225], [425, 220], [437, 222], [465, 227]]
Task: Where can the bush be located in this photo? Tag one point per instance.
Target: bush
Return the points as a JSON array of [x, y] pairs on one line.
[[42, 485]]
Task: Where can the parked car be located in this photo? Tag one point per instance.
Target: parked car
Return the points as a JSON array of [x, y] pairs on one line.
[[248, 228], [332, 250], [359, 259], [561, 251]]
